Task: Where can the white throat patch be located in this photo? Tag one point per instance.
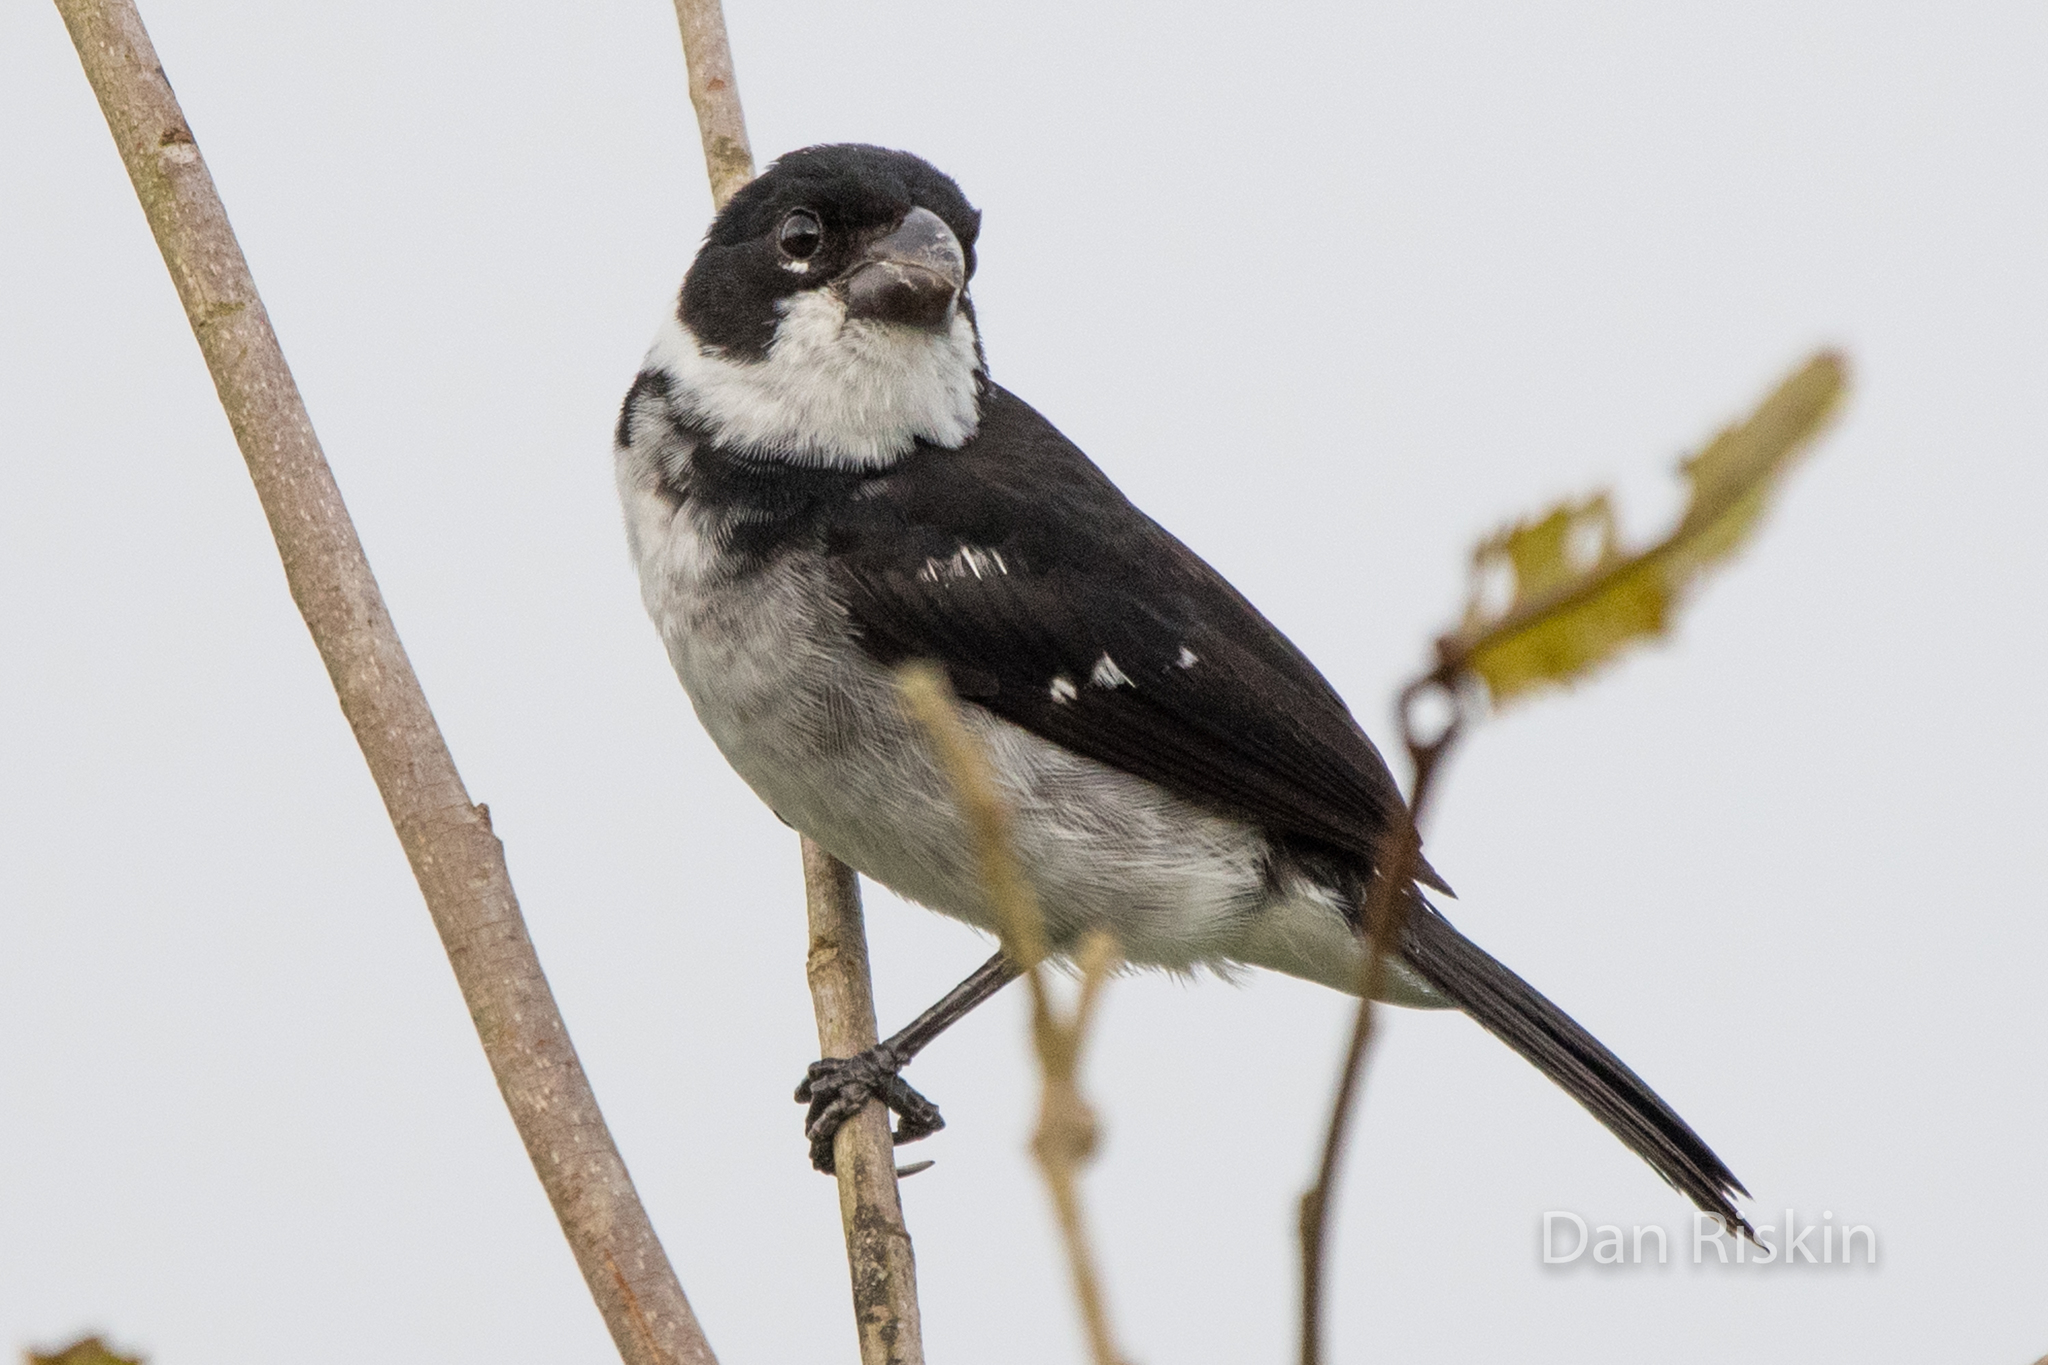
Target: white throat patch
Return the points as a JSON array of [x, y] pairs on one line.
[[831, 392]]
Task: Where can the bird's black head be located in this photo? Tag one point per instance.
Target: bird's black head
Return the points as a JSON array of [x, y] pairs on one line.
[[888, 235]]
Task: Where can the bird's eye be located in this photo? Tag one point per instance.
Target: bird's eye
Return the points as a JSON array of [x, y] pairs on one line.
[[801, 234]]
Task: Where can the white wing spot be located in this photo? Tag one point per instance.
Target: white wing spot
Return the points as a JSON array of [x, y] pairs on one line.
[[1063, 689], [1107, 674], [1188, 658], [965, 562]]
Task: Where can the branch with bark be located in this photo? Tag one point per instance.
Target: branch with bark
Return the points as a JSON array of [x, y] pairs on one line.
[[458, 861]]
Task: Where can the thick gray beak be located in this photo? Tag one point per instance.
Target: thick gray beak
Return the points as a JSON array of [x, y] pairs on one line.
[[912, 276]]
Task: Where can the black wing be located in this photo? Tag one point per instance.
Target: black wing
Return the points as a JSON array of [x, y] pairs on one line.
[[1055, 603], [1015, 564]]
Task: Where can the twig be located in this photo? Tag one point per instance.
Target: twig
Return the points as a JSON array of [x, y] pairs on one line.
[[1066, 1125], [459, 863], [1067, 1131], [1386, 912], [878, 1251], [1570, 612]]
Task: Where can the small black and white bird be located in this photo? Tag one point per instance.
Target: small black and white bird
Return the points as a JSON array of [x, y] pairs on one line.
[[821, 482]]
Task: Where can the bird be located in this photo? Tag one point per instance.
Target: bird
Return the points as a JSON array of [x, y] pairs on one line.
[[821, 483]]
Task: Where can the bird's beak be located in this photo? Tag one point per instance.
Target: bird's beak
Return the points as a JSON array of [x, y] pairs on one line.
[[912, 276]]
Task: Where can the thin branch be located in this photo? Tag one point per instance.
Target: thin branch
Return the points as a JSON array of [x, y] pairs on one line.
[[1066, 1133], [1067, 1130], [459, 863], [878, 1252], [1569, 613], [715, 94], [1386, 913]]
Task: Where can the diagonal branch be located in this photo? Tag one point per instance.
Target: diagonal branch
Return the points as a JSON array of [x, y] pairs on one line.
[[1573, 608], [1066, 1134], [1386, 912], [459, 863]]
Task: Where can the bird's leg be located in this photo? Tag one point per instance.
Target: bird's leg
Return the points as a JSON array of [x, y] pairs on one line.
[[836, 1088]]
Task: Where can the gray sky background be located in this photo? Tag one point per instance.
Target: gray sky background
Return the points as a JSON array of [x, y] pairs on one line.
[[1331, 290]]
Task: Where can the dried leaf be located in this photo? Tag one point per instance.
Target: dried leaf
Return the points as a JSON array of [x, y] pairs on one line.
[[1567, 598], [86, 1351]]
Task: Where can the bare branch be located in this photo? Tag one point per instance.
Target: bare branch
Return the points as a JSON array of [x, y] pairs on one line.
[[930, 703], [459, 863], [1067, 1131], [1386, 912], [1066, 1125], [715, 94], [878, 1251]]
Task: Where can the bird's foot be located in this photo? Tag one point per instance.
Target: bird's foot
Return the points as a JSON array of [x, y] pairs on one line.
[[837, 1088]]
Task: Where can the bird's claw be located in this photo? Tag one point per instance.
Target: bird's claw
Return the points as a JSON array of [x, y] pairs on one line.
[[837, 1088]]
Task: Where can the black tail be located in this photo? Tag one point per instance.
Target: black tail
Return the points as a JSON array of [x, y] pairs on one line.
[[1512, 1011]]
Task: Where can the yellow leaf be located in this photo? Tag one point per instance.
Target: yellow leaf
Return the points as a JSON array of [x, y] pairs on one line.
[[1555, 597], [87, 1351]]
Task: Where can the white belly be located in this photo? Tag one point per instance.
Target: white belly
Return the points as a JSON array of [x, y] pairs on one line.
[[815, 728]]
